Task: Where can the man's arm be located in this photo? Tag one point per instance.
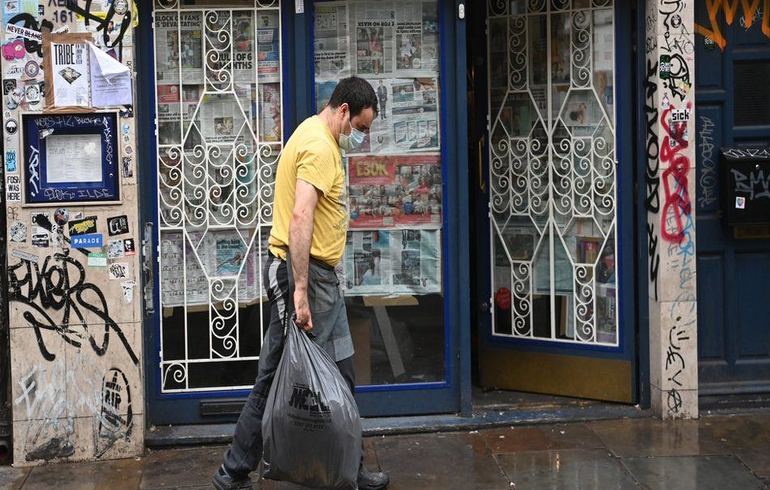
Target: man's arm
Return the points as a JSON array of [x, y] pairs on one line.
[[300, 238]]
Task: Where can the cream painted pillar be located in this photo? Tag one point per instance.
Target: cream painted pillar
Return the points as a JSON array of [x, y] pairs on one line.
[[670, 190]]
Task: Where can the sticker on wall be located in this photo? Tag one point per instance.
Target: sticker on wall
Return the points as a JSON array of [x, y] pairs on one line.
[[709, 44], [125, 128], [128, 247], [61, 216], [31, 69], [93, 240], [82, 226], [120, 6], [32, 93], [12, 188], [42, 220], [18, 232], [118, 270], [23, 255], [115, 249], [40, 237], [11, 126], [13, 99], [97, 259], [117, 225], [128, 291], [665, 67], [127, 111], [8, 86], [126, 139], [14, 50], [740, 202], [128, 167], [665, 103], [11, 7], [129, 150], [11, 165], [676, 21]]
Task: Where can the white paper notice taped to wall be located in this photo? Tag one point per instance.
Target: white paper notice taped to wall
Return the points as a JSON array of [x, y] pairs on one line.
[[110, 80]]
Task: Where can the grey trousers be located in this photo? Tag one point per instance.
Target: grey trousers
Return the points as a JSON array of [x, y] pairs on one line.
[[327, 310]]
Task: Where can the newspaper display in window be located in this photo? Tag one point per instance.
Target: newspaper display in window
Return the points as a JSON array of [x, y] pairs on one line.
[[213, 257], [395, 191], [392, 262], [179, 47], [268, 48], [331, 41], [395, 178]]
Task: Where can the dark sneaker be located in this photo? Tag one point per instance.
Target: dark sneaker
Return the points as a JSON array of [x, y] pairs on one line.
[[368, 480], [223, 481]]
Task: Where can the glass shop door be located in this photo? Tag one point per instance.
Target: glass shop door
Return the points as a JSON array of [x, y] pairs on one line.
[[561, 268]]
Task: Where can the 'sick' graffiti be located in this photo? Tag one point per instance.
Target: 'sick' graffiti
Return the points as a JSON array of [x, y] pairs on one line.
[[675, 182]]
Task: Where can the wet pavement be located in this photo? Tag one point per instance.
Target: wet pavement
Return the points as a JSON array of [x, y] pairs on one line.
[[724, 453]]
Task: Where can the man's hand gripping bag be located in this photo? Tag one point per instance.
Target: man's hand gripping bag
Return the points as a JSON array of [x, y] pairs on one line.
[[311, 428]]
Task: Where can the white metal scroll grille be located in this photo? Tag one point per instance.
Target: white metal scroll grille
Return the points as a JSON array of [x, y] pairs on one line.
[[217, 75], [553, 170]]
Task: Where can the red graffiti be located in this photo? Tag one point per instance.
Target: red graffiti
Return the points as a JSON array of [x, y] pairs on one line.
[[675, 183]]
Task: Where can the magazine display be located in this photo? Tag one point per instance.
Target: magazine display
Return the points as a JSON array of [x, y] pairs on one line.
[[388, 262], [179, 47], [220, 256], [395, 191]]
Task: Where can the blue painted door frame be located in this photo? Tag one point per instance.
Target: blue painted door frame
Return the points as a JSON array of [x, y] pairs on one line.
[[632, 288], [453, 395]]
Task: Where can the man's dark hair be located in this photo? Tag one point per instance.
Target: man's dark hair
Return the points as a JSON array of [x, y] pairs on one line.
[[358, 94]]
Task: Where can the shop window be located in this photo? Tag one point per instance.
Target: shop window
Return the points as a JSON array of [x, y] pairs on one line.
[[219, 135], [392, 267]]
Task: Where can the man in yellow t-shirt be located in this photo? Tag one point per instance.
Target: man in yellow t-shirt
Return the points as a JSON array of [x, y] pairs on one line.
[[310, 223]]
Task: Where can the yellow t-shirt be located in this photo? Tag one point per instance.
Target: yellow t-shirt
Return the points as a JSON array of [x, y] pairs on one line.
[[312, 154]]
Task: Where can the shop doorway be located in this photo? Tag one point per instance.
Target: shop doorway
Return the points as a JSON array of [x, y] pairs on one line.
[[554, 201]]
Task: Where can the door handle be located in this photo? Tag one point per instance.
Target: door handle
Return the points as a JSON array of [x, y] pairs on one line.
[[480, 165]]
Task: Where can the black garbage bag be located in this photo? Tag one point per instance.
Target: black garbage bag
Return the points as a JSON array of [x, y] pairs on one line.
[[311, 428]]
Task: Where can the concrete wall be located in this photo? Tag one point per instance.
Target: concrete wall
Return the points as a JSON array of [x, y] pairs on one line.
[[75, 330], [670, 186]]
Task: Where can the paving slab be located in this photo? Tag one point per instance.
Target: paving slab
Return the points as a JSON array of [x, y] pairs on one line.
[[541, 438], [738, 432], [180, 467], [12, 478], [439, 462], [692, 473], [758, 460], [578, 469], [122, 474], [650, 437]]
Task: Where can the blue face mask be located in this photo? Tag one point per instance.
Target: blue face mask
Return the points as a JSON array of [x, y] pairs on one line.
[[350, 142]]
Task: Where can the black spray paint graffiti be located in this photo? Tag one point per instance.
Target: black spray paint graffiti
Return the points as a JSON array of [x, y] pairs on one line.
[[675, 363], [678, 80], [29, 22], [676, 36], [61, 287], [104, 25], [651, 175]]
